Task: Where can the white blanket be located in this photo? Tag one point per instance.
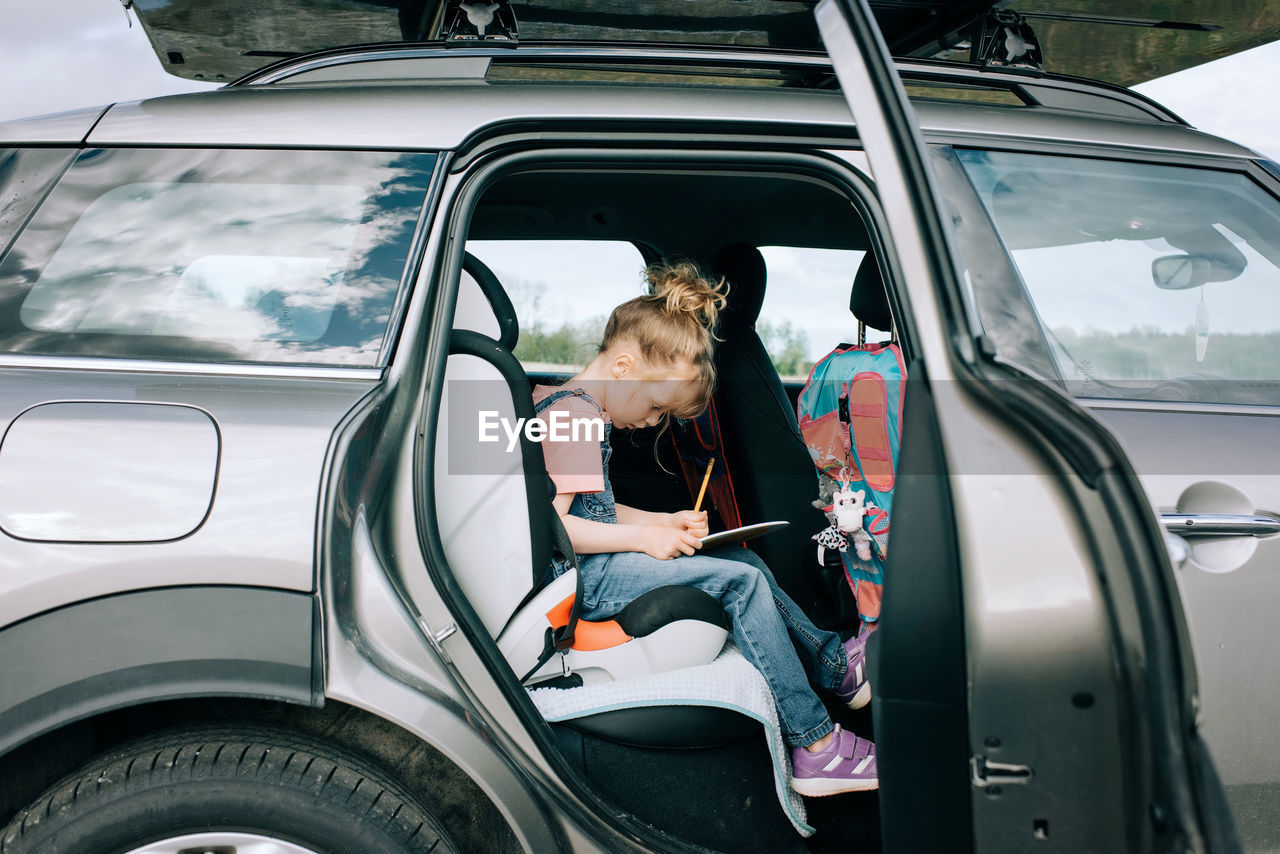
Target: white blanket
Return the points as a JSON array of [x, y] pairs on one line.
[[729, 682]]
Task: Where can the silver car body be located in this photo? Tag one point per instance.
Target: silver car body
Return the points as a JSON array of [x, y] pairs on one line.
[[389, 643]]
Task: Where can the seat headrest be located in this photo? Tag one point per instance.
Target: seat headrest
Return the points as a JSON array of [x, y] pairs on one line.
[[743, 267], [503, 310], [868, 300]]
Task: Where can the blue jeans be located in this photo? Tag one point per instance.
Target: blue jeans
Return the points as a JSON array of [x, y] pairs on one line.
[[770, 629]]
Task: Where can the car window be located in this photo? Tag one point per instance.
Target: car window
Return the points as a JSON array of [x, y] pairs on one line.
[[805, 312], [563, 291], [1150, 281], [289, 257]]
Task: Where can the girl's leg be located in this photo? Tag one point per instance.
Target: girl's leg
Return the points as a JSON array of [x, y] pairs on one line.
[[758, 627], [822, 652]]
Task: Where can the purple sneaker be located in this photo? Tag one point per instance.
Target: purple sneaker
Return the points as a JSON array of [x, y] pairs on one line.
[[855, 690], [847, 765]]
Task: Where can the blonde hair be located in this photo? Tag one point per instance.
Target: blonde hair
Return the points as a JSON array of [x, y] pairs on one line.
[[675, 323]]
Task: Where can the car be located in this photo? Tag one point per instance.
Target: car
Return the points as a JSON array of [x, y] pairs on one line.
[[264, 584]]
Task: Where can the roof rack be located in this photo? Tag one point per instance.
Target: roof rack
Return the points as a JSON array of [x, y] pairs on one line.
[[543, 53], [807, 69], [1048, 90]]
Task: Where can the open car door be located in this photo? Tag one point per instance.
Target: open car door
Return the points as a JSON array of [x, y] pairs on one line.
[[1034, 680]]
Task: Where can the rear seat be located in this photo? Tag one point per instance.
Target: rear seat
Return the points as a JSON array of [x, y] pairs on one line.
[[773, 474], [772, 469]]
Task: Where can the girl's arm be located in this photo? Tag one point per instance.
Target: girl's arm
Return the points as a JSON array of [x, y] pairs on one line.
[[654, 538], [632, 516], [694, 523]]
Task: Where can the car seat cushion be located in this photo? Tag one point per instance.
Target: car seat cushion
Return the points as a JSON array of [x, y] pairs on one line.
[[728, 682], [653, 610], [673, 630]]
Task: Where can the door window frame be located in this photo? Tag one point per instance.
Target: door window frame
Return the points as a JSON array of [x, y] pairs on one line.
[[454, 223], [978, 241]]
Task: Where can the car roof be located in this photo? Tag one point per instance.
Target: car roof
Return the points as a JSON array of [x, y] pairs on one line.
[[341, 103]]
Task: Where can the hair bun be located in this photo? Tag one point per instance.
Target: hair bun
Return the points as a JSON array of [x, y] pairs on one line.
[[684, 290]]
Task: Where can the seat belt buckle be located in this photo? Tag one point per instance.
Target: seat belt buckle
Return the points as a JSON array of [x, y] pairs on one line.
[[565, 669]]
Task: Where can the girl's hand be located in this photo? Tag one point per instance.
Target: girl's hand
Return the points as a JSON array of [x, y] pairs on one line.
[[694, 523], [665, 542]]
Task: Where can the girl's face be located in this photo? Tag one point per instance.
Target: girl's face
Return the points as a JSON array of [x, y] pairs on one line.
[[641, 396]]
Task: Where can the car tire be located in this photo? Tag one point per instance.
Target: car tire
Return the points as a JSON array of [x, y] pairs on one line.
[[246, 783]]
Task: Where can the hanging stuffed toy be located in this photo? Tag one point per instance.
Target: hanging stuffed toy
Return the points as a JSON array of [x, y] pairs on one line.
[[845, 509]]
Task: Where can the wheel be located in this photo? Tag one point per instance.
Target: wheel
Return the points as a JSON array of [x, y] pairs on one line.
[[245, 790]]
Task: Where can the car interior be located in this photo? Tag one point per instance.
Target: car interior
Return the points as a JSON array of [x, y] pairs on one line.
[[700, 774]]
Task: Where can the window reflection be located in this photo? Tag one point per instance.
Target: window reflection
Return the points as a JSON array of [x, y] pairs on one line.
[[25, 176], [238, 256], [1150, 281]]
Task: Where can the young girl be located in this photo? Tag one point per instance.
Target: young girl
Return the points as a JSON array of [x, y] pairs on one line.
[[656, 361]]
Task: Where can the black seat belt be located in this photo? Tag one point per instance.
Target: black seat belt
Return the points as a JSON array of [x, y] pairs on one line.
[[560, 639]]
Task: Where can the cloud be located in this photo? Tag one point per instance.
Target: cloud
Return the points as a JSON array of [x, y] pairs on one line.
[[1231, 97], [77, 53]]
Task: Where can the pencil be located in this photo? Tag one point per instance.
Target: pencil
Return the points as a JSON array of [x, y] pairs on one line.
[[706, 478]]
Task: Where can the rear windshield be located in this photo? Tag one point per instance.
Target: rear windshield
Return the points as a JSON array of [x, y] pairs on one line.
[[286, 257]]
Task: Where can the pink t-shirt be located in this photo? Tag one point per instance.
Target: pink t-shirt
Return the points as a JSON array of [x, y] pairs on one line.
[[572, 456]]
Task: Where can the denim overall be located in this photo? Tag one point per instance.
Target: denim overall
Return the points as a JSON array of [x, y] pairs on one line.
[[595, 506]]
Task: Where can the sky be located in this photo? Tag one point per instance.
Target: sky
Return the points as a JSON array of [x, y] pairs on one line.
[[58, 55]]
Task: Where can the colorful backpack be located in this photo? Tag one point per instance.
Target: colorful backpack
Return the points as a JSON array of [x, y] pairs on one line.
[[850, 415]]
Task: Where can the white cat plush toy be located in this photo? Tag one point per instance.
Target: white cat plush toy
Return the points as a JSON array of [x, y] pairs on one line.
[[845, 509], [848, 507]]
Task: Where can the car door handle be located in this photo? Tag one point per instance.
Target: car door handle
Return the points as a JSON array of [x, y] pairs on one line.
[[1220, 524]]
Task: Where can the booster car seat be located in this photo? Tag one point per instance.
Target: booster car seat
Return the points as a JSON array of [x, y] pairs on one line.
[[499, 528]]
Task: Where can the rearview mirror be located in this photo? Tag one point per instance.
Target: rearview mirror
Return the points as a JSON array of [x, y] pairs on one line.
[[1180, 272]]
